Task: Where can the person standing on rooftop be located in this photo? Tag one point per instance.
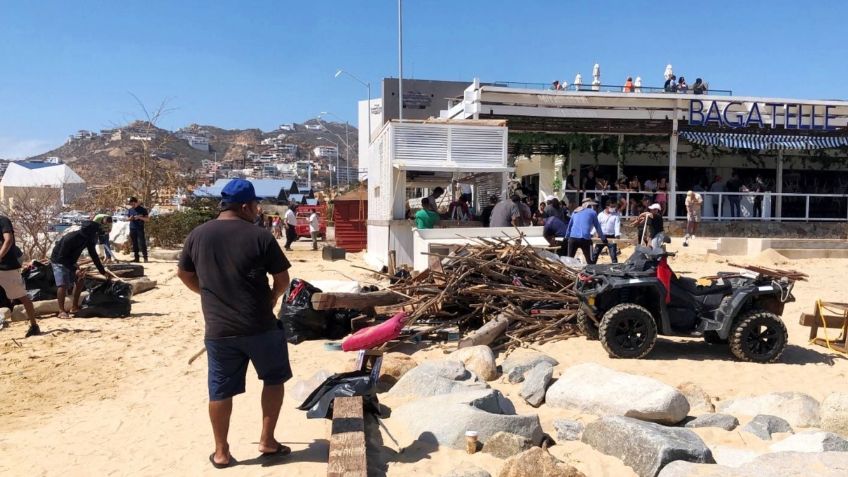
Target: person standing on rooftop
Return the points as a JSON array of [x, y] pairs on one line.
[[628, 85]]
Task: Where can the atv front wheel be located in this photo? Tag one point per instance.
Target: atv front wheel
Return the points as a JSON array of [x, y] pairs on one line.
[[587, 326], [759, 337], [628, 331], [712, 337]]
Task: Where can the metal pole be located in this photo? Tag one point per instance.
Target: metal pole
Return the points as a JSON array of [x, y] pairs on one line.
[[347, 152], [778, 188], [369, 113], [672, 169], [400, 61]]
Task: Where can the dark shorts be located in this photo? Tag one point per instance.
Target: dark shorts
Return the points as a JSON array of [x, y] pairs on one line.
[[228, 358], [64, 276]]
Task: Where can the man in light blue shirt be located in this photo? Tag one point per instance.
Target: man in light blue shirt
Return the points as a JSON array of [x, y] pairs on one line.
[[579, 232], [611, 227]]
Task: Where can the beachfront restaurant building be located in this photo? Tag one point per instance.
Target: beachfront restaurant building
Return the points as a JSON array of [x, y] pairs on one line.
[[799, 148], [496, 135]]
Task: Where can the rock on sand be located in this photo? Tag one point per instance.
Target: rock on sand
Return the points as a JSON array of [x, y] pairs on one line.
[[601, 391], [799, 409], [645, 446]]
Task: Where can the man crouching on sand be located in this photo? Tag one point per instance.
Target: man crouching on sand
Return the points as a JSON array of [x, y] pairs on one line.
[[226, 261]]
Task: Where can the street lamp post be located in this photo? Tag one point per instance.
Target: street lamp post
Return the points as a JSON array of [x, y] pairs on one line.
[[367, 86]]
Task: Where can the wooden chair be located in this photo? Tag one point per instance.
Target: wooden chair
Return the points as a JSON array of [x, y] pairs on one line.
[[827, 315]]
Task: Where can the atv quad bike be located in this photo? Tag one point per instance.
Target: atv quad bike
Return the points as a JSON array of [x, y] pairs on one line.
[[627, 305]]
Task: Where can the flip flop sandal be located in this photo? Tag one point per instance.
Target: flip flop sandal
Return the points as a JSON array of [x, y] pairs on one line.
[[221, 466], [281, 451]]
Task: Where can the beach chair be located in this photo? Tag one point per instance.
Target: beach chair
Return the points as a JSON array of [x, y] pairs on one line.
[[828, 315]]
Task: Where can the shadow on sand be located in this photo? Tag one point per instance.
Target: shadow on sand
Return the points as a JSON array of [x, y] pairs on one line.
[[316, 451], [697, 350]]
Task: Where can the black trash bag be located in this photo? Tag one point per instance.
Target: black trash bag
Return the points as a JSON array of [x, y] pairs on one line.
[[109, 299], [39, 281], [5, 302], [319, 404], [300, 320], [338, 325]]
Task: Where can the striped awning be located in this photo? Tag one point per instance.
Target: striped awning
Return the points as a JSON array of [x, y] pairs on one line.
[[763, 141]]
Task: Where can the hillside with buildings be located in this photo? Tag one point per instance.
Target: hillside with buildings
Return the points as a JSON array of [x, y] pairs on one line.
[[313, 150]]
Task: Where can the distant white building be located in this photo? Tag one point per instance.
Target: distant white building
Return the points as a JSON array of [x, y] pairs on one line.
[[199, 142], [23, 178], [314, 127], [329, 152], [287, 127]]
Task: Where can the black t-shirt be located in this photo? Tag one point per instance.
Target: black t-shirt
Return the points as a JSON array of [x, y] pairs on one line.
[[67, 250], [10, 260], [232, 259], [655, 225]]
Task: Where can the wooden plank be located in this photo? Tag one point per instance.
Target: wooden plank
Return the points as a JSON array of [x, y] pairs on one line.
[[356, 301], [487, 333], [809, 319], [347, 440]]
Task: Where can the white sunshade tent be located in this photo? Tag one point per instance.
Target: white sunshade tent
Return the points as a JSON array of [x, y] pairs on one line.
[[43, 175]]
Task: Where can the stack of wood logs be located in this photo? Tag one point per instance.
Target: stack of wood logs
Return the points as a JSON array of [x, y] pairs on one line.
[[498, 292]]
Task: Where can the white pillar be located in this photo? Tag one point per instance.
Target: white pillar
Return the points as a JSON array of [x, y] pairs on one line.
[[778, 186], [672, 168], [619, 171]]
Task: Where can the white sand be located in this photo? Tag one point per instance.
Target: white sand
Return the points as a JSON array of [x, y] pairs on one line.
[[117, 397]]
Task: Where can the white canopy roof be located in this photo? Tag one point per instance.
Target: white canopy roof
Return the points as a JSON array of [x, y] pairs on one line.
[[39, 174]]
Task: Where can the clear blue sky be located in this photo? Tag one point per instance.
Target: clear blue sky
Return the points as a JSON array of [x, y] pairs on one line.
[[71, 65]]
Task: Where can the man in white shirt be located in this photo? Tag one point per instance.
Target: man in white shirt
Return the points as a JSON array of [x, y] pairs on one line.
[[291, 229], [314, 228], [694, 201], [610, 221]]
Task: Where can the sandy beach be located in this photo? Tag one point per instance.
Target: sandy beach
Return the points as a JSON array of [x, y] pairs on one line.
[[118, 397]]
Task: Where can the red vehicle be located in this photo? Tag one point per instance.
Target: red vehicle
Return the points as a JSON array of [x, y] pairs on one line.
[[303, 213]]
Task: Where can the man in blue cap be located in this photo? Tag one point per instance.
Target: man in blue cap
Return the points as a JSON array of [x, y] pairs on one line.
[[227, 261]]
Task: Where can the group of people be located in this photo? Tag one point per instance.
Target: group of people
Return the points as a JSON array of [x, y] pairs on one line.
[[275, 224], [674, 85], [638, 201], [64, 258]]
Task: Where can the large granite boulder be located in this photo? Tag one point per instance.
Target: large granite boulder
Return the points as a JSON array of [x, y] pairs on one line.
[[536, 383], [444, 419], [434, 378], [506, 444], [601, 391], [779, 464], [469, 471], [537, 462], [517, 365], [723, 421], [811, 441], [834, 413], [799, 409], [568, 430], [480, 360], [699, 401], [763, 426], [394, 366], [645, 446]]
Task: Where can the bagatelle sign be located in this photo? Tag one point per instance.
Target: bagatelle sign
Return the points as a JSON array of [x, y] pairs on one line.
[[795, 115]]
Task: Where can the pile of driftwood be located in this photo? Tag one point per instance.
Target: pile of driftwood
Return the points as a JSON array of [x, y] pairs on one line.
[[499, 292]]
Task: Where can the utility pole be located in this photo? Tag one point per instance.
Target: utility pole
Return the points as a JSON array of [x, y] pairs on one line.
[[400, 63]]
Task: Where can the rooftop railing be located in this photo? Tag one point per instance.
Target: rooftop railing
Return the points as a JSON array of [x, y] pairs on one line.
[[606, 88]]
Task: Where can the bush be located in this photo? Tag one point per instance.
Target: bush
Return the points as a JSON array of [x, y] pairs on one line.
[[171, 230]]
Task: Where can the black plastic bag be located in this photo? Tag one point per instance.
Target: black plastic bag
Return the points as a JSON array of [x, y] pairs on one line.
[[299, 319], [39, 281], [109, 299], [319, 404]]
